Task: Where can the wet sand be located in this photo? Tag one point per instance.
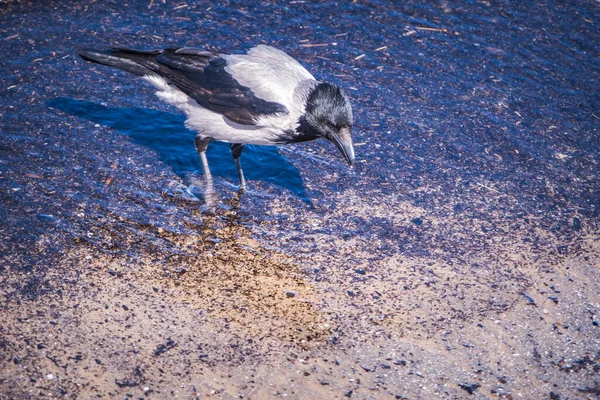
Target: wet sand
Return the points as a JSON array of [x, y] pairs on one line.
[[230, 319]]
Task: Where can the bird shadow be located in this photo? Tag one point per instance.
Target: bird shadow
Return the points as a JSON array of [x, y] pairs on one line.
[[166, 134]]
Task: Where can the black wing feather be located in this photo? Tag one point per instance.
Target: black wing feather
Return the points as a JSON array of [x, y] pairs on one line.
[[198, 73]]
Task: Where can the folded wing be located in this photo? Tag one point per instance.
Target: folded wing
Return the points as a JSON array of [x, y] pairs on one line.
[[201, 75], [270, 73]]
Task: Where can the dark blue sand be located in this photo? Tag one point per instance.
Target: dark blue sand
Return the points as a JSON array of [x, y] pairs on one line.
[[448, 95], [506, 93], [455, 97]]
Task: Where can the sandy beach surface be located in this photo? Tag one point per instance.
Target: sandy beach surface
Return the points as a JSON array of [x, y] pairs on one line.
[[459, 259]]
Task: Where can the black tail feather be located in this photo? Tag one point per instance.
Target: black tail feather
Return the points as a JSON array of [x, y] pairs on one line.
[[134, 61]]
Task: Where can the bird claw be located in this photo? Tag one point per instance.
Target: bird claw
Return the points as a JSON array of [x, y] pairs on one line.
[[210, 196]]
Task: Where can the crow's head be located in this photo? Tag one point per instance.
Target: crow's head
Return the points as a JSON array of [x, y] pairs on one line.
[[329, 114]]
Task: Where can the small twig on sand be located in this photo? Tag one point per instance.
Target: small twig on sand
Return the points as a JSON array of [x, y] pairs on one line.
[[487, 187], [425, 28], [314, 44]]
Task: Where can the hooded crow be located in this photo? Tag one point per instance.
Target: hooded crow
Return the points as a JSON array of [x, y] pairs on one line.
[[264, 97]]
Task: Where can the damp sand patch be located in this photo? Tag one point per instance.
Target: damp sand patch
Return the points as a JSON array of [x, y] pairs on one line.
[[118, 320]]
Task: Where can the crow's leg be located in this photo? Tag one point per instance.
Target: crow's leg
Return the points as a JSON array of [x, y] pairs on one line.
[[209, 189], [236, 152]]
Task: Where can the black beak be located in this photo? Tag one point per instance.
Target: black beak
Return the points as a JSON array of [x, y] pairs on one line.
[[343, 141]]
